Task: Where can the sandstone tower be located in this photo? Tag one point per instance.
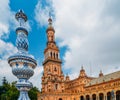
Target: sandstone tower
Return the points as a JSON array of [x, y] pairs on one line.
[[52, 79]]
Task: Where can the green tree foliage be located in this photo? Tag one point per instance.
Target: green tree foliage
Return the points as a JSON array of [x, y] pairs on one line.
[[4, 81], [33, 93], [10, 92]]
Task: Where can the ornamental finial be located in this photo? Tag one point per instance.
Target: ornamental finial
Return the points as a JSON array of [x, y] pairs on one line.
[[50, 27], [21, 14], [21, 17], [50, 19]]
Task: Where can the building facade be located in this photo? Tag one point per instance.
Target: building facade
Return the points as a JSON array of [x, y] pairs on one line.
[[55, 86]]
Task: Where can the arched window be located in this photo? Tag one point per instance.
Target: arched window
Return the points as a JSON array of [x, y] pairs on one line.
[[94, 96], [49, 70], [49, 77], [55, 69], [51, 38], [56, 86], [49, 90], [51, 54], [81, 98], [57, 56], [55, 79], [109, 96], [101, 96], [54, 55], [118, 95], [87, 97]]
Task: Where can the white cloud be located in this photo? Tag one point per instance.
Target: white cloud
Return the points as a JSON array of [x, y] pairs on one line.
[[97, 34], [36, 79], [3, 29], [90, 30], [6, 17], [6, 50], [41, 14], [6, 71]]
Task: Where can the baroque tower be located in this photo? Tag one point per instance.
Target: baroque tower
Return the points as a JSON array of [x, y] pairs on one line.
[[53, 78]]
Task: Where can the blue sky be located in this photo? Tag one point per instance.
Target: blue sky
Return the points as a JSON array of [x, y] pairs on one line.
[[37, 35], [87, 33]]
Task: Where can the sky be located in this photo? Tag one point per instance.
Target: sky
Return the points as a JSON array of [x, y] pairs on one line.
[[87, 33]]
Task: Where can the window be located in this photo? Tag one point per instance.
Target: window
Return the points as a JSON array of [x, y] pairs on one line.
[[49, 69], [54, 55], [49, 90], [57, 56], [49, 77], [56, 86], [55, 79], [51, 54], [55, 69], [51, 38]]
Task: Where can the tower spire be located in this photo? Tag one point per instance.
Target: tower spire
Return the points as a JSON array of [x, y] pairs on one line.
[[50, 19], [50, 27], [101, 73], [82, 72]]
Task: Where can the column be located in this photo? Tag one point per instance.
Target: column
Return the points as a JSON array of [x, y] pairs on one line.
[[90, 97], [105, 97], [49, 54], [97, 97], [58, 55], [115, 96], [85, 97]]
